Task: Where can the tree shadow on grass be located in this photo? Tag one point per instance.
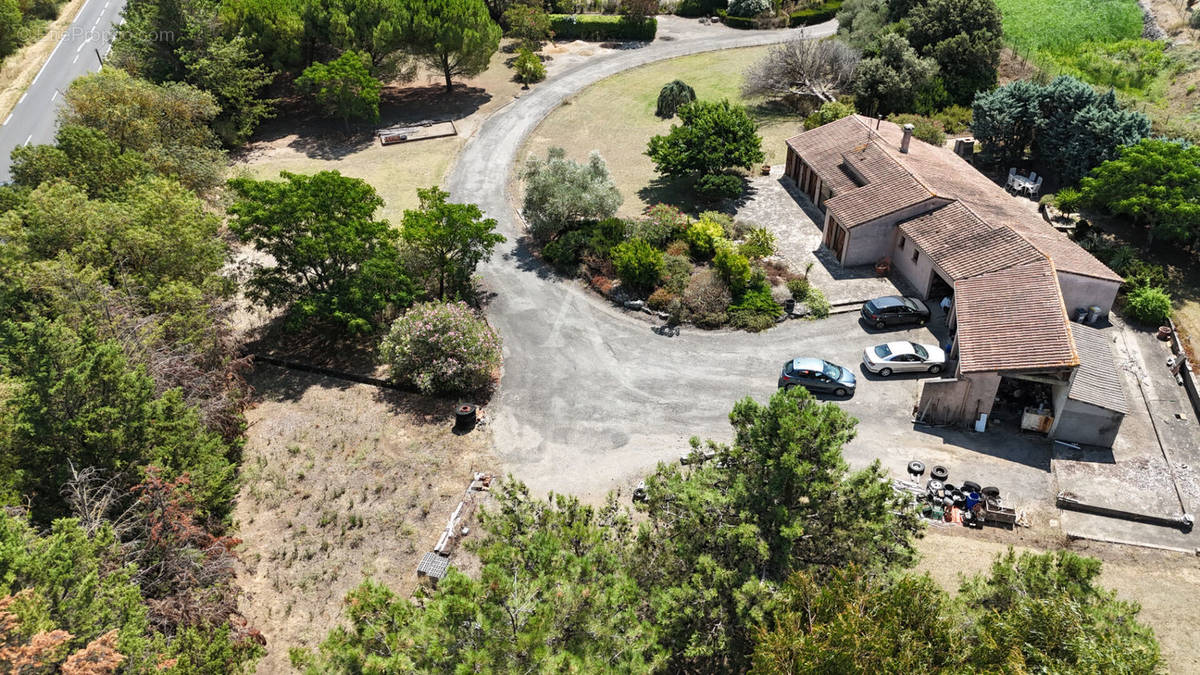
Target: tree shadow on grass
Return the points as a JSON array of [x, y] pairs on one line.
[[681, 193], [319, 347]]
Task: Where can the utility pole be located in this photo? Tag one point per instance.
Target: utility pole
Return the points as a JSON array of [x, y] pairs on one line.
[[98, 56]]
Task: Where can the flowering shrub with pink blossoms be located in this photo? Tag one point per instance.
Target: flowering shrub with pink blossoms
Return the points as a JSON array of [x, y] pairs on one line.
[[442, 348]]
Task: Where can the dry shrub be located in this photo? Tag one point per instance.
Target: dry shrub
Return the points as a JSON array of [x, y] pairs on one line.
[[677, 247], [602, 284], [707, 299], [777, 272], [660, 299]]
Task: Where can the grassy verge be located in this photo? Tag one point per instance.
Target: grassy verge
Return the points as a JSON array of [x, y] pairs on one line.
[[616, 117]]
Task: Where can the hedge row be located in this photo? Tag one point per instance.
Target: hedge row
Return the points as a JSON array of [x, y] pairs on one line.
[[694, 8], [739, 22], [598, 27], [819, 14]]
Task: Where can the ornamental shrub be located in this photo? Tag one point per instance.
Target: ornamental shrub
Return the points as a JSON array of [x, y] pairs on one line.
[[798, 287], [661, 299], [702, 237], [734, 268], [706, 299], [678, 270], [830, 111], [1150, 305], [817, 303], [442, 348], [924, 128], [756, 311], [759, 243], [529, 67], [673, 95], [661, 224], [639, 265], [955, 119], [1068, 200], [749, 8]]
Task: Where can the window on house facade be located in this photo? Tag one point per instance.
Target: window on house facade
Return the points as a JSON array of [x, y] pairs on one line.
[[916, 254], [901, 243]]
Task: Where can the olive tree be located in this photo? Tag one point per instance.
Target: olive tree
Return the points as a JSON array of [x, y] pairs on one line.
[[561, 193]]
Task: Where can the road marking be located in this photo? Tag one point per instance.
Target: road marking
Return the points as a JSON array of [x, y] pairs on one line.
[[22, 98], [75, 59], [28, 139], [6, 119], [54, 96], [81, 46]]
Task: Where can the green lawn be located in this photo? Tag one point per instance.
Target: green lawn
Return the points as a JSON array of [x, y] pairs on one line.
[[616, 117], [1060, 26]]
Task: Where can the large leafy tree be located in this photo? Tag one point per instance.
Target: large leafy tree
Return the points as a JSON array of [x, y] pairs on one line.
[[779, 500], [891, 75], [711, 138], [1006, 120], [80, 403], [332, 260], [344, 87], [1045, 613], [1156, 183], [455, 37], [82, 156], [964, 38], [168, 124], [562, 194], [1081, 129], [861, 22], [449, 240]]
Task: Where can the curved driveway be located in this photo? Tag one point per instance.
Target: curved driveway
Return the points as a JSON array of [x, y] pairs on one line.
[[590, 397]]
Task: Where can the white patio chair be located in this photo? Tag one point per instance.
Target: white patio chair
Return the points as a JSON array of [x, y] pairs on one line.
[[1011, 173], [1032, 176], [1035, 188]]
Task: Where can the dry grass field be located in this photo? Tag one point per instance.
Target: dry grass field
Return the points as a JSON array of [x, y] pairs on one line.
[[616, 117]]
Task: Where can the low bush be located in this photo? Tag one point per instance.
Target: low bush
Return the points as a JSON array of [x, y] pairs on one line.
[[817, 14], [442, 348], [694, 8], [830, 111], [639, 265], [817, 304], [564, 253], [661, 224], [955, 119], [671, 97], [924, 128], [1194, 19], [528, 67], [756, 310], [661, 299], [706, 299], [601, 27], [702, 237], [1068, 200], [748, 8], [677, 270], [1150, 305], [717, 186], [678, 247], [606, 234], [740, 22], [734, 268], [759, 243], [798, 287], [1140, 274]]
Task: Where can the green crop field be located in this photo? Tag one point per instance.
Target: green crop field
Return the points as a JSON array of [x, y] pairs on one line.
[[1060, 26]]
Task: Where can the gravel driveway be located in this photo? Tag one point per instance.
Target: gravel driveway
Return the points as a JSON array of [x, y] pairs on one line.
[[591, 399]]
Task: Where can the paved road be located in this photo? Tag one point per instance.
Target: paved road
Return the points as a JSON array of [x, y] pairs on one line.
[[35, 117], [590, 397]]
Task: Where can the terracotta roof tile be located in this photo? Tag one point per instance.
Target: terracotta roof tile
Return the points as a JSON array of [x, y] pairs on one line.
[[876, 199], [1097, 381], [1013, 319], [822, 148], [962, 245]]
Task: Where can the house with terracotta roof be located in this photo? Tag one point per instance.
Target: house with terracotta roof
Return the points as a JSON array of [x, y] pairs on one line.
[[948, 230]]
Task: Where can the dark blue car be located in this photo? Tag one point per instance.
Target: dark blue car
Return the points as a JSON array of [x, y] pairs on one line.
[[893, 310]]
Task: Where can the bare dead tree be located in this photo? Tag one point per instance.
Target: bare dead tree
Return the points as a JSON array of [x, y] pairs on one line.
[[97, 500], [803, 69]]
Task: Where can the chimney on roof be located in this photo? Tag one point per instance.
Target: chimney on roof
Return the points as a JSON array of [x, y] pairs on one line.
[[908, 129]]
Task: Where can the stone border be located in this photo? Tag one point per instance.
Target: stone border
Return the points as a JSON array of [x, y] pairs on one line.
[[1186, 372]]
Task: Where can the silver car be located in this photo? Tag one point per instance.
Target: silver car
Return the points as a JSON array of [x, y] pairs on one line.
[[904, 357]]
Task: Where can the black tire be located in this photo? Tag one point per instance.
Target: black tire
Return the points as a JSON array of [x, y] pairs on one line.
[[935, 369], [885, 372], [916, 468], [950, 487], [970, 486], [880, 325], [933, 485], [839, 392], [940, 473], [990, 491]]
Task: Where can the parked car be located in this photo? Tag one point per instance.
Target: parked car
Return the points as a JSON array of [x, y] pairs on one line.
[[817, 375], [893, 310], [904, 357]]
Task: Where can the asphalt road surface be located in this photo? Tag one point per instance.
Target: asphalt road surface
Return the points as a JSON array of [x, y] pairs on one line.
[[79, 51]]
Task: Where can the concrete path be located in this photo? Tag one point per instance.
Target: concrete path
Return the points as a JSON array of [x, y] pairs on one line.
[[34, 119], [591, 398]]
